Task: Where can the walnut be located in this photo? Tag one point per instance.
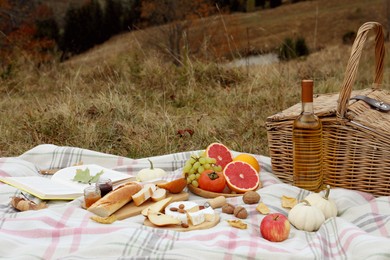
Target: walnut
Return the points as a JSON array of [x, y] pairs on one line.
[[228, 208], [251, 197], [240, 212]]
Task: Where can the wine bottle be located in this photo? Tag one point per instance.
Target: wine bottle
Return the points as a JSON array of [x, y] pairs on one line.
[[307, 143]]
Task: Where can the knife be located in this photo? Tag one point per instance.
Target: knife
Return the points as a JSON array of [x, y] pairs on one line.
[[216, 202]]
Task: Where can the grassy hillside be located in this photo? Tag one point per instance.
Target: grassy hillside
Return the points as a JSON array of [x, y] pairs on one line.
[[322, 23], [125, 98]]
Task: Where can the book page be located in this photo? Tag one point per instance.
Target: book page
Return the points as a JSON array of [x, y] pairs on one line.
[[61, 185], [43, 188], [66, 175]]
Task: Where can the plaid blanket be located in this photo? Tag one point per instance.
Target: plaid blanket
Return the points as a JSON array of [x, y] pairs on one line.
[[64, 230]]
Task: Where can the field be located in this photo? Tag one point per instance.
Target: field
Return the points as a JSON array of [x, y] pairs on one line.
[[126, 98]]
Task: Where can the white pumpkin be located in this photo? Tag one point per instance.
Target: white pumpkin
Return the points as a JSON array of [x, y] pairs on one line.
[[150, 173], [306, 217], [326, 205]]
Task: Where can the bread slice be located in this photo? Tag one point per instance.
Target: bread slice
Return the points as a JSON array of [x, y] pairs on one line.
[[159, 194], [144, 194], [115, 199]]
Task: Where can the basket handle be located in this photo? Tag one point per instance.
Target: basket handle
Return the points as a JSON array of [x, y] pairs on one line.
[[353, 63]]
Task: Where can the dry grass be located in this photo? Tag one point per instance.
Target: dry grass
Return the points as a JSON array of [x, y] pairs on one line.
[[134, 104]]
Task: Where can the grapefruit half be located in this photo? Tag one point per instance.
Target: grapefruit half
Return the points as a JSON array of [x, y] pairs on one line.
[[241, 176], [220, 153]]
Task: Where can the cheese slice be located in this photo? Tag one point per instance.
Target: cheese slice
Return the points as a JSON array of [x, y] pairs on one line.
[[180, 216]]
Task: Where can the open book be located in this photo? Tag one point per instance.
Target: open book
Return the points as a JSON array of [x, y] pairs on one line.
[[61, 185]]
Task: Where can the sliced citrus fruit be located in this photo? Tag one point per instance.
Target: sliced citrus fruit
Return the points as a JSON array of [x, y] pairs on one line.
[[220, 153], [241, 177], [248, 158]]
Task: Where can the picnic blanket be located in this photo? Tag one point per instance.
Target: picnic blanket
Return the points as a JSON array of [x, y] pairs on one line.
[[65, 231]]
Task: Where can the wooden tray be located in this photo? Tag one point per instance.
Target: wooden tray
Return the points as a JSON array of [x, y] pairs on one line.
[[204, 225], [130, 210], [210, 194]]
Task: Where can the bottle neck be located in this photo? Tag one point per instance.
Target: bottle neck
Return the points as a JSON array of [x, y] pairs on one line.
[[307, 96], [307, 107]]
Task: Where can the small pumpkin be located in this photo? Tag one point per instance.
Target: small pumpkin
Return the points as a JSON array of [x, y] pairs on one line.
[[326, 205], [150, 173], [212, 181], [306, 217]]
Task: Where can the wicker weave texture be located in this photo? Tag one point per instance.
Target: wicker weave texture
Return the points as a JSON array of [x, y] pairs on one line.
[[356, 137]]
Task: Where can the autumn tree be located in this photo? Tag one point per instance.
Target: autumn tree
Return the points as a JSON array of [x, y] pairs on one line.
[[25, 33], [95, 22], [275, 3], [83, 28], [112, 23], [260, 3], [12, 15], [237, 5], [131, 14], [46, 26]]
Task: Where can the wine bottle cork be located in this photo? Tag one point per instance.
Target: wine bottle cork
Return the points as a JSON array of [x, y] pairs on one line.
[[307, 90], [215, 202]]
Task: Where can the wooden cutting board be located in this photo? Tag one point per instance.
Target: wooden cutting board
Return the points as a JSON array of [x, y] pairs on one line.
[[130, 210], [204, 225]]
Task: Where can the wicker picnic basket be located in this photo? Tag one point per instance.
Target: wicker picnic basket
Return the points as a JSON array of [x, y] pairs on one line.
[[356, 135]]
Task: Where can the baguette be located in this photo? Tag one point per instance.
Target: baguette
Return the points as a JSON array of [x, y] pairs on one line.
[[115, 199]]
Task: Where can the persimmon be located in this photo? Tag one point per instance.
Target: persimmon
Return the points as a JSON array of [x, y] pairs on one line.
[[212, 181]]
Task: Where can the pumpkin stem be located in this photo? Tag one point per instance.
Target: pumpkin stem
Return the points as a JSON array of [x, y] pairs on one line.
[[307, 203], [327, 192], [213, 175], [151, 164]]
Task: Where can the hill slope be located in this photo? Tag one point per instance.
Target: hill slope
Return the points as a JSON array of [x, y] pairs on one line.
[[322, 23]]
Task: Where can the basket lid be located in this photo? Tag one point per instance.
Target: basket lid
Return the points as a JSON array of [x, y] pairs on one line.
[[325, 106]]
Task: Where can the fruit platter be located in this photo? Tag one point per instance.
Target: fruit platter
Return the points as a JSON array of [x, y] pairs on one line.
[[215, 172]]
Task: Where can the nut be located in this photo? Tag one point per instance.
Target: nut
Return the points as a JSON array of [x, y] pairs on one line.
[[228, 208], [240, 212], [251, 197], [184, 225]]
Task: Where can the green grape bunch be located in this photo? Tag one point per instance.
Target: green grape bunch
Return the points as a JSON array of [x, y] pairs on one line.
[[196, 164]]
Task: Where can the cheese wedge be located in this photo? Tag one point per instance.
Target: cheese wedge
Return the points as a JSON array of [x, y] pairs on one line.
[[204, 215], [180, 216], [192, 215]]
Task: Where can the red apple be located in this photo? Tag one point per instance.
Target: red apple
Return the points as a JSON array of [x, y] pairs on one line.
[[275, 227]]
